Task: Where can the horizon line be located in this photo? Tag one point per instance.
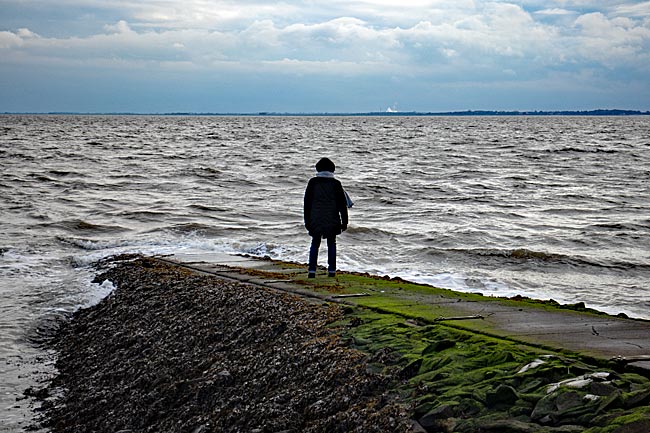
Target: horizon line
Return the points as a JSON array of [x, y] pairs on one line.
[[594, 112]]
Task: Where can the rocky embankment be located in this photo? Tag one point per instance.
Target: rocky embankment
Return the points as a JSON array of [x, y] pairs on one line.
[[173, 350], [176, 351]]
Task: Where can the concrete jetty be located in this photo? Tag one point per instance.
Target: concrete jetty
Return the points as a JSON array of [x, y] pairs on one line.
[[599, 336]]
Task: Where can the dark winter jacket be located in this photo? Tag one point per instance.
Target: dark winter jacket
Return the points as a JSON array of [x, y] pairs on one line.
[[326, 212]]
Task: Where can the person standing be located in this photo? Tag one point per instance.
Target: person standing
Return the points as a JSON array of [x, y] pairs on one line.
[[326, 214]]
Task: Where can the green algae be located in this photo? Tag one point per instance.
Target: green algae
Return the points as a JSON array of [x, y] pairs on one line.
[[454, 377], [395, 295], [458, 375]]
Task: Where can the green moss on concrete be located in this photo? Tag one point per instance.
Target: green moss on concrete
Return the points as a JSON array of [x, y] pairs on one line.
[[394, 295], [471, 380], [459, 376]]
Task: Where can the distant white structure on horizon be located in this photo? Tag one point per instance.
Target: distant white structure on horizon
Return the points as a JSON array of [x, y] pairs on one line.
[[391, 110]]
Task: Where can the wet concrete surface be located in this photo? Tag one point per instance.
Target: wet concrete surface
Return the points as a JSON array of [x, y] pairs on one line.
[[599, 336]]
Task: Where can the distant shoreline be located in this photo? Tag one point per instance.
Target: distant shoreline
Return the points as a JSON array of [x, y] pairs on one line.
[[466, 113]]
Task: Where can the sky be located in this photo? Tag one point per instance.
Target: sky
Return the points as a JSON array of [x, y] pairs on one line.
[[247, 56]]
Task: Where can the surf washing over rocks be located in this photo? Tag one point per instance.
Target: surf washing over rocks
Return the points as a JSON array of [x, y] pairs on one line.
[[545, 207]]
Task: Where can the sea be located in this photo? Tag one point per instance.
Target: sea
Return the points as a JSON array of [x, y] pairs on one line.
[[547, 207]]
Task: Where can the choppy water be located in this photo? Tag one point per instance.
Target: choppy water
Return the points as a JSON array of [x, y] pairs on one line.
[[546, 207]]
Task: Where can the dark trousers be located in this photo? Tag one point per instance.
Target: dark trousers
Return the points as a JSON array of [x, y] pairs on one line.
[[331, 253]]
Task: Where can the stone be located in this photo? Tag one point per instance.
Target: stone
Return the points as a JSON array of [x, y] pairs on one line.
[[609, 401], [639, 426], [412, 369], [442, 411], [637, 398], [469, 407], [436, 418], [224, 377], [543, 409], [566, 429], [508, 426], [567, 401], [417, 428], [602, 388], [423, 409], [438, 346], [503, 395]]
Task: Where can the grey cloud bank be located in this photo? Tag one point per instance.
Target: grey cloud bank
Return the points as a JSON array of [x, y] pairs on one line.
[[157, 56]]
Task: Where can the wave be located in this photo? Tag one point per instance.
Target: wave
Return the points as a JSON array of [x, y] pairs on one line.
[[144, 246], [622, 227], [144, 215], [264, 249], [195, 229], [206, 172], [369, 231], [62, 173], [41, 178], [79, 225], [582, 150], [526, 255], [95, 245], [207, 208]]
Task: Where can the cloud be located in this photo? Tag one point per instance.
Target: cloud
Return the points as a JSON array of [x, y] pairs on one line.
[[331, 68], [496, 33], [555, 12], [26, 34], [640, 10], [612, 41], [465, 42], [122, 27], [9, 40]]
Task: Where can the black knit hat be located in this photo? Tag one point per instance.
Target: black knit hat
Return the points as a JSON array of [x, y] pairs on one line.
[[325, 164]]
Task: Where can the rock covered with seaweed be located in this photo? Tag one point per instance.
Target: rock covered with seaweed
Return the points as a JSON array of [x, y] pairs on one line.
[[464, 382], [171, 350]]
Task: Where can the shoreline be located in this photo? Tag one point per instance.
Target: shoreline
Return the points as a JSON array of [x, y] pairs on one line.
[[258, 348]]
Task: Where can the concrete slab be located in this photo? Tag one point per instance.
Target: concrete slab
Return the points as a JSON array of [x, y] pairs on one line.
[[215, 258], [594, 335], [641, 365]]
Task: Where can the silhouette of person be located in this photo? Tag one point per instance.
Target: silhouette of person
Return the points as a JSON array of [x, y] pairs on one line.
[[326, 214]]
